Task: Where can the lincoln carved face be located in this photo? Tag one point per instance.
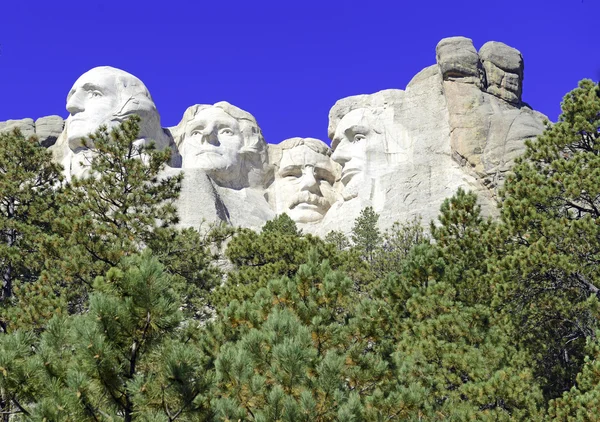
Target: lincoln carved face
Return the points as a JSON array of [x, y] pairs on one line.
[[358, 140], [304, 178]]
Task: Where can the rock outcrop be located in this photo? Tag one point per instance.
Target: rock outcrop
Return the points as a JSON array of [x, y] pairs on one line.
[[459, 123], [47, 129]]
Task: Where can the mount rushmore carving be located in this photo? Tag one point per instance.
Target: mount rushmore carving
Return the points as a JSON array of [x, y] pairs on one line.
[[459, 123]]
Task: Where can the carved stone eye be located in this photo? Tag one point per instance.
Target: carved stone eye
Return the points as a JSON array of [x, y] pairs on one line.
[[358, 137], [94, 94], [197, 131], [226, 131]]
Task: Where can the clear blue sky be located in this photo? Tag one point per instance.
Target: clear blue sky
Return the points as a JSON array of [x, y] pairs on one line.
[[286, 62]]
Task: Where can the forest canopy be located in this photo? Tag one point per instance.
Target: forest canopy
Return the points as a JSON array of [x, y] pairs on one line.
[[109, 311]]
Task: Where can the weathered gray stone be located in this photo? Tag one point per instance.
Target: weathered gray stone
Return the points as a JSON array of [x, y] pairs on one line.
[[26, 126], [504, 68], [458, 60], [48, 129]]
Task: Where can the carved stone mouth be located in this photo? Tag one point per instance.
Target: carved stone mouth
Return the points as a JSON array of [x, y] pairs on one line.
[[309, 200]]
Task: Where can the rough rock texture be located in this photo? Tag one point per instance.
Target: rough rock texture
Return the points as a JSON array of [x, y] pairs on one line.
[[26, 126], [488, 122], [47, 129], [504, 68], [459, 123], [458, 60]]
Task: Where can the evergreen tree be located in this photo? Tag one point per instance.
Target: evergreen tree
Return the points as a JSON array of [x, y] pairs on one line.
[[282, 224], [582, 402], [454, 357], [29, 185], [128, 356], [290, 352], [339, 239], [397, 242], [551, 217], [365, 233], [120, 208]]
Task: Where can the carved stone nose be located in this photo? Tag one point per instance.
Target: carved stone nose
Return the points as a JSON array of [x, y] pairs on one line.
[[341, 154], [309, 181], [75, 105]]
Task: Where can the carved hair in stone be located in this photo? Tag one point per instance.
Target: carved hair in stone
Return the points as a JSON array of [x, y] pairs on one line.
[[304, 179], [107, 96], [223, 140]]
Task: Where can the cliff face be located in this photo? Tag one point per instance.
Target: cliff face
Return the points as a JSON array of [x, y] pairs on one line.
[[459, 123]]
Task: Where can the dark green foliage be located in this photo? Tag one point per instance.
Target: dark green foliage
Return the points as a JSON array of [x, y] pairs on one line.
[[582, 402], [282, 224], [294, 353], [550, 214], [397, 242], [192, 259], [339, 239], [126, 356], [278, 250], [29, 185], [118, 209], [365, 233]]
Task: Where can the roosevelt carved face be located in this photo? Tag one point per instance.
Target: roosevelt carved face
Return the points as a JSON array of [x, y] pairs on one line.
[[304, 184], [212, 142]]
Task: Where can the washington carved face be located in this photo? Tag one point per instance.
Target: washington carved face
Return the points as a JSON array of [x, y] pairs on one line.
[[92, 102], [212, 142], [304, 184]]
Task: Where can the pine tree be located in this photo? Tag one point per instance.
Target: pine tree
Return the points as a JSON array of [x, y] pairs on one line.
[[120, 208], [551, 218], [396, 243], [290, 353], [339, 239], [582, 401], [278, 250], [129, 356], [29, 185], [365, 233], [454, 357]]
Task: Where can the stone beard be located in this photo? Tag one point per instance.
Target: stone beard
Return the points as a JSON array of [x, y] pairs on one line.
[[107, 96], [304, 180]]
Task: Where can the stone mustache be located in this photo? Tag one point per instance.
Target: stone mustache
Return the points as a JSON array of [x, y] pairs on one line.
[[459, 123]]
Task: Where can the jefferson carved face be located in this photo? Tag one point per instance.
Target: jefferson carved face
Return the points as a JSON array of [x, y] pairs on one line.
[[304, 183], [212, 142]]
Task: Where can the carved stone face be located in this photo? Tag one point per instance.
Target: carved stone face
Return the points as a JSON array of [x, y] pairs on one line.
[[212, 142], [107, 96], [358, 141], [304, 184], [92, 101]]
